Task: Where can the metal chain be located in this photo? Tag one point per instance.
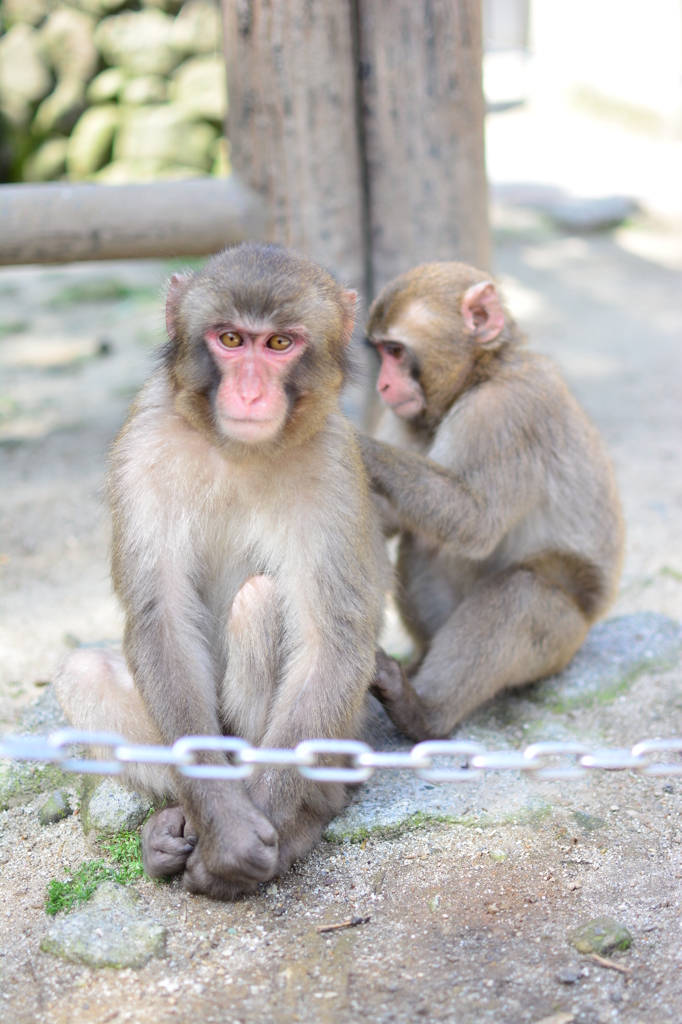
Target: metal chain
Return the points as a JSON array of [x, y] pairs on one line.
[[426, 759]]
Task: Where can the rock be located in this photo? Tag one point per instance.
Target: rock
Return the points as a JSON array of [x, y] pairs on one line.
[[67, 45], [197, 28], [31, 12], [55, 808], [47, 162], [109, 932], [107, 85], [44, 714], [610, 660], [601, 935], [165, 133], [20, 781], [614, 654], [109, 6], [200, 86], [145, 89], [24, 79], [498, 855], [576, 214], [90, 144], [569, 976], [112, 809], [62, 108], [139, 41]]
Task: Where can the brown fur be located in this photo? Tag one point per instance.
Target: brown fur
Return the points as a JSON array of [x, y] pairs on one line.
[[511, 531], [251, 576]]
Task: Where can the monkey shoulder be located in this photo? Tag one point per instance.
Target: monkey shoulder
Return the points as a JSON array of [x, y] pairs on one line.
[[525, 411], [334, 472]]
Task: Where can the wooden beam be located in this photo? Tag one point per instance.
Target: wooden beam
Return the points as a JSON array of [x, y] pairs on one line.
[[61, 223]]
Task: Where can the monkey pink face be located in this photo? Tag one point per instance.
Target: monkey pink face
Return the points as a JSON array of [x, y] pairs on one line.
[[254, 362], [397, 386]]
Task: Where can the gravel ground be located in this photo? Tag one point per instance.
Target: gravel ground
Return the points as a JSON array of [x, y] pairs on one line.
[[469, 915]]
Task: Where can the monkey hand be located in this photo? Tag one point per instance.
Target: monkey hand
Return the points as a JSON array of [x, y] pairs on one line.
[[168, 839], [237, 842]]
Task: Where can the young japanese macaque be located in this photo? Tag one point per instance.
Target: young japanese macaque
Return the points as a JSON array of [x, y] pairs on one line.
[[510, 528], [249, 561]]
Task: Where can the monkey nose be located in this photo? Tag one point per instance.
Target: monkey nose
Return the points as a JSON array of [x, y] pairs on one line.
[[250, 389]]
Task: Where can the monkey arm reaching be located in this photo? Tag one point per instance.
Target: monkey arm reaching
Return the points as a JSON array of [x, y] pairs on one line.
[[431, 500], [454, 508]]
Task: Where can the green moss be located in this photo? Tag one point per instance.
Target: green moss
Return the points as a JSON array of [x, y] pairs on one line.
[[125, 850], [588, 821], [606, 693], [185, 264], [123, 866], [411, 823], [601, 935], [13, 327], [23, 780], [100, 291], [77, 888], [533, 816]]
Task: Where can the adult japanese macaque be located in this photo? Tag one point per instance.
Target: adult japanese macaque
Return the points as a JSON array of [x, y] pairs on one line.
[[249, 562], [510, 529]]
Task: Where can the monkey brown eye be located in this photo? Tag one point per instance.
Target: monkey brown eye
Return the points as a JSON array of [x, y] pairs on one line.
[[230, 339], [395, 351], [279, 343]]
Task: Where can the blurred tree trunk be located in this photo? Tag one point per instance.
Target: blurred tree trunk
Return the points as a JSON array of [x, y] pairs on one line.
[[361, 123], [423, 130], [292, 123]]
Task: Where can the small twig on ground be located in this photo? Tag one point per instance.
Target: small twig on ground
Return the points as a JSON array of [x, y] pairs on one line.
[[610, 963], [350, 922]]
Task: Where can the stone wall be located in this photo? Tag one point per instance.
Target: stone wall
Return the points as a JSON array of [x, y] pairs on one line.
[[111, 90]]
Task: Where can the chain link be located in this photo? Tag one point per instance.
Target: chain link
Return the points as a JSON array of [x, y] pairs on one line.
[[228, 757]]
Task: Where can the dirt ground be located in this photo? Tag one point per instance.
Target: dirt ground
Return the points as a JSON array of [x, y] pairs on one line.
[[468, 919]]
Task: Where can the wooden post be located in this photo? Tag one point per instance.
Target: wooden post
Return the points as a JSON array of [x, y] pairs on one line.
[[423, 130], [292, 123], [361, 123]]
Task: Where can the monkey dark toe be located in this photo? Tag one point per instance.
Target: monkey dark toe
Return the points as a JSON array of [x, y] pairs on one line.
[[393, 689], [388, 684], [168, 839]]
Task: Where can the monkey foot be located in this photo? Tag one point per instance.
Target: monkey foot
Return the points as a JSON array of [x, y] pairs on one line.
[[200, 881], [168, 839], [393, 689]]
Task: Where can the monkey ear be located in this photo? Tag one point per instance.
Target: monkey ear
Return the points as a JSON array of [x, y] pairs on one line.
[[176, 287], [350, 299], [483, 313]]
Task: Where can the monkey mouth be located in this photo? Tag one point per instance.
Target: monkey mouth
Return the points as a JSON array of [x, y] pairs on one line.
[[250, 428], [406, 408]]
